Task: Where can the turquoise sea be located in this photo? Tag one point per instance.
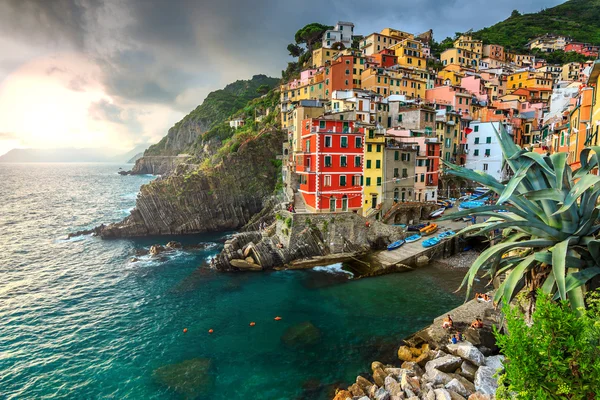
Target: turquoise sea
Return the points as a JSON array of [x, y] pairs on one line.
[[78, 320]]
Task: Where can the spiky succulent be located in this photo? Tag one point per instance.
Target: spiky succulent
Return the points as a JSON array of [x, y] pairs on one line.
[[547, 216]]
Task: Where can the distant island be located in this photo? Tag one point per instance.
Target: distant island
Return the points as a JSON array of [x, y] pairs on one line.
[[72, 155]]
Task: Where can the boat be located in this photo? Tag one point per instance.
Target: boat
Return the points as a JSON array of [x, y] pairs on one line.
[[395, 245], [468, 205], [447, 234], [431, 242], [416, 228], [437, 213], [429, 229], [412, 238]]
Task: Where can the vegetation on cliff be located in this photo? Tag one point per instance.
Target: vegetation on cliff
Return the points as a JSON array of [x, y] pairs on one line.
[[218, 106]]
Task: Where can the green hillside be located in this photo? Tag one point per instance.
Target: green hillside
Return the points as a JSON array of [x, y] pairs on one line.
[[578, 19]]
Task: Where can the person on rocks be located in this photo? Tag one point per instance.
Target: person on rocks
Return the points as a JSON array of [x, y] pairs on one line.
[[477, 323], [447, 323], [280, 245]]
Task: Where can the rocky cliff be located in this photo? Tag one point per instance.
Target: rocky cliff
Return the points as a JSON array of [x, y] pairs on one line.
[[195, 199]]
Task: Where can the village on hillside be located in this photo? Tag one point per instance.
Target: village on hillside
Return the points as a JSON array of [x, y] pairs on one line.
[[369, 121]]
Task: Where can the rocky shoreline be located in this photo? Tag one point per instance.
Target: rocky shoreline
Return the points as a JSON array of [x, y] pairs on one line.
[[431, 368]]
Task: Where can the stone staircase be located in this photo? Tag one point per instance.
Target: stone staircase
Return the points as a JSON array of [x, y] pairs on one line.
[[299, 203]]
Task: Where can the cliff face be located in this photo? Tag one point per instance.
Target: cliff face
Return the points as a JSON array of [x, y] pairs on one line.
[[195, 200]]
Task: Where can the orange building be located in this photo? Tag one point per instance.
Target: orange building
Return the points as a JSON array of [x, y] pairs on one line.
[[338, 75]]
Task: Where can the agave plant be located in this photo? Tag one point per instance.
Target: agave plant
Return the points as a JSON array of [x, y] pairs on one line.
[[546, 215]]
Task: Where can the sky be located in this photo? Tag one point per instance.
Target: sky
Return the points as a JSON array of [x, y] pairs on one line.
[[119, 73]]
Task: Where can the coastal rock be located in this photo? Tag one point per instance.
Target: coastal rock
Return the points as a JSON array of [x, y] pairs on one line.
[[410, 382], [356, 390], [363, 383], [468, 370], [482, 338], [156, 249], [485, 381], [377, 365], [382, 394], [495, 362], [422, 261], [436, 377], [456, 386], [343, 395], [392, 386], [300, 335], [189, 378], [455, 396], [379, 376], [442, 394], [444, 364], [480, 396], [413, 368], [245, 265], [469, 386], [405, 354], [372, 390], [173, 245], [467, 351], [395, 372]]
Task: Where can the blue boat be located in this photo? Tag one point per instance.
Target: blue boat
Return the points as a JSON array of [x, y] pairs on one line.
[[467, 205], [446, 234], [431, 242], [413, 238], [395, 245]]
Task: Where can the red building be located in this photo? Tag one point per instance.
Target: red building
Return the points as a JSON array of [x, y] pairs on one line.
[[330, 165], [385, 58], [433, 164], [583, 48]]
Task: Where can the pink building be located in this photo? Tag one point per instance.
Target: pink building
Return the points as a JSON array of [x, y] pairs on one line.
[[475, 86], [454, 97], [307, 75]]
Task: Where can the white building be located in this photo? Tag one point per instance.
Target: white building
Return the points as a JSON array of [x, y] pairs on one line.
[[237, 123], [342, 33], [483, 149]]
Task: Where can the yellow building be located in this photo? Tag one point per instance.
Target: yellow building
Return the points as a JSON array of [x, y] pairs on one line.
[[594, 80], [322, 56], [396, 34], [375, 80], [451, 73], [373, 171], [410, 53], [461, 57], [528, 79], [570, 71], [466, 42]]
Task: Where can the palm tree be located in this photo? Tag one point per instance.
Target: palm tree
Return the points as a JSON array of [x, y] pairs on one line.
[[545, 224]]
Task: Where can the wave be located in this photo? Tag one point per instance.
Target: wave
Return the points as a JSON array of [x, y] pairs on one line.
[[334, 269]]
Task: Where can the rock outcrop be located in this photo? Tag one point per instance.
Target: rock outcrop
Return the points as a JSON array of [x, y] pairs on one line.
[[219, 198], [300, 236]]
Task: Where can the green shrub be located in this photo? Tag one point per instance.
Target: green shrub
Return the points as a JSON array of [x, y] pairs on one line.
[[557, 357], [288, 222]]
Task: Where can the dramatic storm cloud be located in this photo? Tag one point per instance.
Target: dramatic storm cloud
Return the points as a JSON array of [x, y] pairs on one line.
[[116, 73]]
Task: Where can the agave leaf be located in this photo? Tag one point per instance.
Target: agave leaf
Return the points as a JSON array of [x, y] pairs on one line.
[[582, 185], [594, 248], [589, 160], [579, 278], [515, 276], [466, 213], [559, 255], [570, 261], [576, 299], [544, 194], [514, 182], [541, 162], [559, 162], [548, 286]]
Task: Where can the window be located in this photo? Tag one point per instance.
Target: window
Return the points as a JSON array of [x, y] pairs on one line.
[[404, 173], [485, 167], [488, 139], [343, 161], [327, 180], [379, 148], [342, 180], [328, 161], [369, 148], [397, 155], [448, 143], [357, 161], [368, 180], [476, 152], [321, 124], [356, 180], [327, 141], [487, 152], [476, 128], [307, 146], [344, 141], [396, 173], [368, 164], [476, 140], [377, 163], [422, 177], [371, 133], [379, 181], [407, 156]]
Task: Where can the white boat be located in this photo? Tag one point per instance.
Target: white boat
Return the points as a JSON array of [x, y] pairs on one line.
[[437, 213]]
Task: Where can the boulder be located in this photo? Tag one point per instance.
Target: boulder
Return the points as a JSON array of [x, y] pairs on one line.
[[249, 260], [392, 386], [455, 396], [343, 395], [480, 396], [156, 249], [456, 386], [395, 372], [422, 261], [430, 395], [413, 368], [423, 358], [468, 370], [382, 394], [245, 265], [467, 351], [444, 364], [495, 362], [405, 354], [190, 378], [356, 390], [173, 245], [442, 394], [300, 335], [485, 382], [483, 337], [437, 354], [372, 390], [436, 377], [379, 376], [465, 382], [410, 382], [363, 383]]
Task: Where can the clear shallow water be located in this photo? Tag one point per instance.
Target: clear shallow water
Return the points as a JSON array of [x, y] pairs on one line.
[[78, 320]]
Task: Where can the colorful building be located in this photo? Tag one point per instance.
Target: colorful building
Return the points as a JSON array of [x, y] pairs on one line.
[[410, 53], [323, 56], [461, 57], [373, 171], [494, 51], [594, 81], [398, 183], [330, 165], [586, 49], [341, 33], [530, 79], [483, 149], [339, 75]]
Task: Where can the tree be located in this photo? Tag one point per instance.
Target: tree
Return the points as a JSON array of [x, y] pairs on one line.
[[515, 13], [556, 357], [295, 50], [310, 34], [545, 223], [338, 46], [263, 89], [356, 41]]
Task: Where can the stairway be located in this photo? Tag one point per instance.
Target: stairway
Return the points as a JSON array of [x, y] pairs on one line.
[[299, 203]]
